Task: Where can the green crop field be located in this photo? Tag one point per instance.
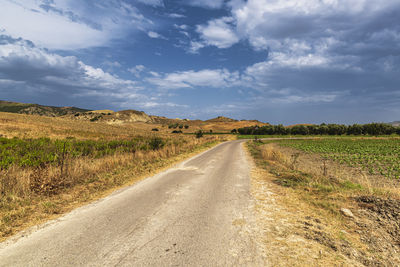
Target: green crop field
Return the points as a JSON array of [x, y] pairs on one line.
[[377, 156]]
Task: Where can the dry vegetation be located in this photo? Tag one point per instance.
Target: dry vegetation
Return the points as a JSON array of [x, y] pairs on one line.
[[318, 212], [34, 126], [32, 193]]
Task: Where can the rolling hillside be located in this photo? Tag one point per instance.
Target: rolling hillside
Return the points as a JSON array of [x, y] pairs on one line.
[[35, 109], [139, 118]]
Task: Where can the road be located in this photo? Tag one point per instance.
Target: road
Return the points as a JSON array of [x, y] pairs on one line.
[[199, 213]]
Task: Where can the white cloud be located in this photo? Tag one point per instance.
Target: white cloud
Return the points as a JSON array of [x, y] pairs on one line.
[[176, 16], [294, 99], [155, 35], [152, 2], [67, 24], [181, 27], [195, 47], [218, 78], [218, 32], [212, 4], [22, 62], [112, 64], [137, 70], [152, 104]]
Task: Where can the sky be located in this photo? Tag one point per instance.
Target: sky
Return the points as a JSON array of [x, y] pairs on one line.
[[277, 61]]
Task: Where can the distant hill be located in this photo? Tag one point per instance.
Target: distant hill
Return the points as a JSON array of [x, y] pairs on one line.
[[219, 124], [35, 109], [221, 119]]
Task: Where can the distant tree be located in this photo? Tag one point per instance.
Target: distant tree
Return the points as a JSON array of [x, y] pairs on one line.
[[186, 126], [199, 134]]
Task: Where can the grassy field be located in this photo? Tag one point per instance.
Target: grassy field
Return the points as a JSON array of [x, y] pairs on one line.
[[377, 156], [49, 166]]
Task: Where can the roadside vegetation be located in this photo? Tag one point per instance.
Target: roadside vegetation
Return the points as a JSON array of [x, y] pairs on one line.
[[345, 196], [42, 177]]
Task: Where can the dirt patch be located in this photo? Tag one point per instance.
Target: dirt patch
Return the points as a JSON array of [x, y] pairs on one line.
[[379, 226]]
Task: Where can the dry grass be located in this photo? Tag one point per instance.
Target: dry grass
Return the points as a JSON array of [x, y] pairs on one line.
[[33, 195], [34, 126]]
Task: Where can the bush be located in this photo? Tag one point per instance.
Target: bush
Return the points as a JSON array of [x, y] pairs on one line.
[[186, 126], [95, 118], [154, 130], [199, 134], [156, 143], [176, 131], [173, 126]]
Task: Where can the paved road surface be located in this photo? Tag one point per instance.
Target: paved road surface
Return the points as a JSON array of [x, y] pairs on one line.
[[196, 214]]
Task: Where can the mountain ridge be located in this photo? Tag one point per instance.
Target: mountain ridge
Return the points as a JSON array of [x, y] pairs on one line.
[[109, 116]]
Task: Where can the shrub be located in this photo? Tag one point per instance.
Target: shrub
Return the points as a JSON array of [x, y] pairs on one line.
[[156, 143], [173, 126], [95, 118], [154, 130], [176, 131], [186, 126], [199, 134]]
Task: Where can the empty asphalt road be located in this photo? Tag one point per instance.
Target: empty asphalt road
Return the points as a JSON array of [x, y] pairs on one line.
[[198, 213]]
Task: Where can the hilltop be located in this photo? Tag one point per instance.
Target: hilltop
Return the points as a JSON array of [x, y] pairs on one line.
[[35, 109], [221, 119], [139, 118]]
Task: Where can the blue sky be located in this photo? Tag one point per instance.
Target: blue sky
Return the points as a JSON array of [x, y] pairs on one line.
[[278, 61]]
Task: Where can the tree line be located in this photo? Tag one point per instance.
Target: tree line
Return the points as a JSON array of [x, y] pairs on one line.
[[322, 129]]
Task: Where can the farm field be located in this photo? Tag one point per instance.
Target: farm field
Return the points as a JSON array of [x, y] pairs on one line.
[[374, 155]]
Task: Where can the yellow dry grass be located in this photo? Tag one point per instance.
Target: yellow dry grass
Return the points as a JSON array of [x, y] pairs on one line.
[[34, 195], [34, 126]]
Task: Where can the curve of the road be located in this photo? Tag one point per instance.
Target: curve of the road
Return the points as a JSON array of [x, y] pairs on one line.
[[198, 213]]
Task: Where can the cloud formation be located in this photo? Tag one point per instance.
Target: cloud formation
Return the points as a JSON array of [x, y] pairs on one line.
[[188, 79], [218, 32], [69, 25], [212, 4], [28, 70]]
